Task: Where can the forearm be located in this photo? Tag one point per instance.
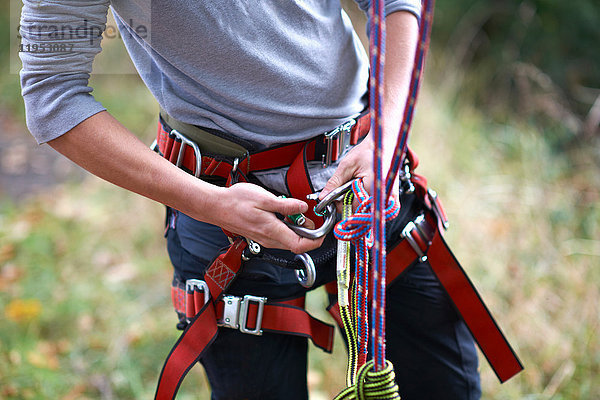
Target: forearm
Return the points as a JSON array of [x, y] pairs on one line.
[[104, 147], [101, 145], [401, 39], [402, 33]]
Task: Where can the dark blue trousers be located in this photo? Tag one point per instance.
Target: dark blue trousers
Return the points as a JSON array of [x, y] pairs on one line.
[[430, 347]]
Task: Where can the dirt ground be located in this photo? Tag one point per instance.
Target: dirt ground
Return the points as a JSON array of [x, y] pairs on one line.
[[27, 168]]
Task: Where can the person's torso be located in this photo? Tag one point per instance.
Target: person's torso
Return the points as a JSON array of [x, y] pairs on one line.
[[270, 71]]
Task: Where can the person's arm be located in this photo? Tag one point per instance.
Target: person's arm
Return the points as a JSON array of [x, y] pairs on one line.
[[101, 145], [401, 38], [62, 112]]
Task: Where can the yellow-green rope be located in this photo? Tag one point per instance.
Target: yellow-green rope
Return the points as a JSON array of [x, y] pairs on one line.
[[366, 383], [345, 302], [371, 384]]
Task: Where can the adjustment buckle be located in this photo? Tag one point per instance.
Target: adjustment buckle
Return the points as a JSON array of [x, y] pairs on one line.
[[235, 313], [437, 208], [259, 314], [231, 312], [424, 234], [338, 140], [192, 286], [185, 141]]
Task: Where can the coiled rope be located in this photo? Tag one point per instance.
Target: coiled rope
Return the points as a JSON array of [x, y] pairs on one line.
[[366, 227]]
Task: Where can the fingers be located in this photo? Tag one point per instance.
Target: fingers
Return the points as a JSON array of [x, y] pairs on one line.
[[341, 176], [280, 236], [255, 218], [287, 206], [295, 243]]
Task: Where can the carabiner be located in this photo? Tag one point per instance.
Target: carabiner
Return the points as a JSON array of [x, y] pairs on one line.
[[324, 208], [319, 232], [334, 195], [306, 277]]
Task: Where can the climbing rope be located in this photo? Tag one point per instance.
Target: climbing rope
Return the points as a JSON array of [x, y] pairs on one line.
[[366, 227], [371, 384], [346, 302], [356, 228]]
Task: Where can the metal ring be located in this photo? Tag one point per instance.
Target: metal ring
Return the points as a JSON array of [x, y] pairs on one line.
[[319, 232], [306, 277]]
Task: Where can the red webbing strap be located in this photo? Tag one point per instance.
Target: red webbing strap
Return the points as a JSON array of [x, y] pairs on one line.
[[178, 298], [190, 347], [276, 157], [223, 270], [202, 329], [296, 321], [466, 299], [290, 318], [473, 311], [297, 180], [286, 317], [334, 311]]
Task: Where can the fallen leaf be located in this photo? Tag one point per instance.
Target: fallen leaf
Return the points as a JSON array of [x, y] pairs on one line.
[[44, 356], [7, 252], [23, 310], [9, 275]]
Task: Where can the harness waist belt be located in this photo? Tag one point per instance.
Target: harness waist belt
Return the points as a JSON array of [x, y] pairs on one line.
[[206, 154]]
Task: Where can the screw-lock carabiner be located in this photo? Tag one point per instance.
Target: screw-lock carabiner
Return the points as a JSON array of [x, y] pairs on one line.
[[319, 232], [324, 208]]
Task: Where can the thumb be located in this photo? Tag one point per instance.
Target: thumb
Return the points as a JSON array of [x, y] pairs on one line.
[[287, 206]]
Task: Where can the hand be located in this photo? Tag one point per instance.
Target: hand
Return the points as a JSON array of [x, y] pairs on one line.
[[249, 210], [358, 163]]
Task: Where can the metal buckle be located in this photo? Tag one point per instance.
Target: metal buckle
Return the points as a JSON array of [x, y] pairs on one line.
[[192, 284], [437, 208], [235, 313], [422, 228], [244, 314], [343, 134], [231, 312], [185, 141]]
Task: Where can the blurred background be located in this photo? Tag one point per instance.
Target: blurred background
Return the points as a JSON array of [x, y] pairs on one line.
[[507, 130]]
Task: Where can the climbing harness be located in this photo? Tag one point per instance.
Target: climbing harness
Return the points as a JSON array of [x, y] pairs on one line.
[[206, 304]]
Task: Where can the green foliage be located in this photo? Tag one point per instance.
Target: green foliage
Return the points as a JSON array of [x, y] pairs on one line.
[[539, 56]]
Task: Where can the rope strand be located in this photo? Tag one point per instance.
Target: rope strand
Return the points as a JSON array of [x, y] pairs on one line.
[[366, 228]]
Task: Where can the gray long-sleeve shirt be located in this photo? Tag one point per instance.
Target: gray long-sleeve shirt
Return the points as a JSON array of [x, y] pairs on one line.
[[271, 71]]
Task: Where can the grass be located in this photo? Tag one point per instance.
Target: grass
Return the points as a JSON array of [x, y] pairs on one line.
[[84, 276]]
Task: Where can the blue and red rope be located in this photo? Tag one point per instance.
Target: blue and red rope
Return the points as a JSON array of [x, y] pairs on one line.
[[366, 227]]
